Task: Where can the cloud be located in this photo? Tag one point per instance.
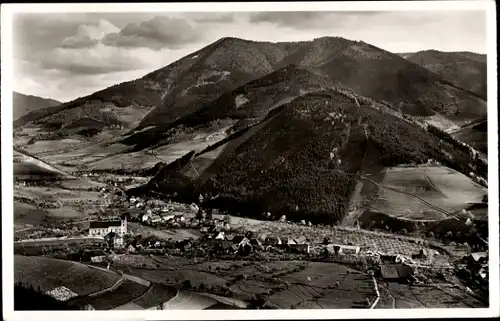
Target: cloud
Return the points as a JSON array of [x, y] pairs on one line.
[[309, 19], [288, 19], [92, 61], [157, 33], [212, 17], [88, 36], [78, 43]]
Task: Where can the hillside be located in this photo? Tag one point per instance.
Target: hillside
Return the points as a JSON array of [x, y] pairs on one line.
[[304, 159], [244, 106], [24, 104], [465, 69]]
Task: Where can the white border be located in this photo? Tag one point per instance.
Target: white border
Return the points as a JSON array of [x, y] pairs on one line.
[[7, 173]]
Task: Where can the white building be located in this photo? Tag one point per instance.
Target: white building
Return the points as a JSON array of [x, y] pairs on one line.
[[101, 228]]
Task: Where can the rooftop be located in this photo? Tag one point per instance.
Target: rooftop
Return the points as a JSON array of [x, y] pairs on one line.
[[104, 224]]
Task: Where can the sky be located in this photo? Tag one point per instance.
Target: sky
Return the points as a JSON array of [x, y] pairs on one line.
[[69, 55]]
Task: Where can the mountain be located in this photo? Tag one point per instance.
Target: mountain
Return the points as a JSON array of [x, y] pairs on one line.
[[464, 69], [366, 69], [165, 96], [303, 160], [24, 104], [244, 106]]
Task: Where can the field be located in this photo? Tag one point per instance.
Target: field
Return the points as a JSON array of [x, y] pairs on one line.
[[416, 194], [36, 204], [404, 296], [52, 145], [476, 136], [293, 284], [124, 293], [287, 283], [163, 234], [107, 152], [48, 274]]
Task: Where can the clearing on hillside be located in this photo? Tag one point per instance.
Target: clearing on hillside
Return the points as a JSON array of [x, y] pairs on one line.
[[417, 193], [48, 274]]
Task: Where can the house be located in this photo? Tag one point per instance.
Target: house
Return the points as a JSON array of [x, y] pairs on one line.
[[101, 228], [195, 222], [229, 237], [483, 273], [342, 248], [271, 240], [245, 248], [300, 248], [220, 236], [131, 249], [301, 239], [479, 257], [240, 240], [396, 272], [287, 241], [388, 258], [98, 258]]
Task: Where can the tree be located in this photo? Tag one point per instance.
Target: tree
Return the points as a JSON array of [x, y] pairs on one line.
[[209, 215], [186, 285], [324, 253], [430, 234], [326, 240], [404, 231], [199, 214]]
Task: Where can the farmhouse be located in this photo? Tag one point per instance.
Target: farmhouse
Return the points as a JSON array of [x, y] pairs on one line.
[[479, 257], [301, 239], [342, 248], [396, 272], [300, 248], [240, 240], [272, 241], [288, 241]]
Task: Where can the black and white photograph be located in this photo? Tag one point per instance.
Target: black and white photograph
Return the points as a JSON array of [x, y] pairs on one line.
[[251, 157]]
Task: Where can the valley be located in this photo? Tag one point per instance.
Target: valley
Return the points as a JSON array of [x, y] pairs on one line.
[[259, 175]]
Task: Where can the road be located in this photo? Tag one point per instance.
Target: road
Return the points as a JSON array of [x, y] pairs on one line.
[[187, 300]]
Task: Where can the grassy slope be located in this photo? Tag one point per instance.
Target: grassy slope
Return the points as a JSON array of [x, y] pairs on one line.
[[50, 273]]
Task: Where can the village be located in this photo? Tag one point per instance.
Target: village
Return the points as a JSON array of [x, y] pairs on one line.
[[131, 230], [219, 239]]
